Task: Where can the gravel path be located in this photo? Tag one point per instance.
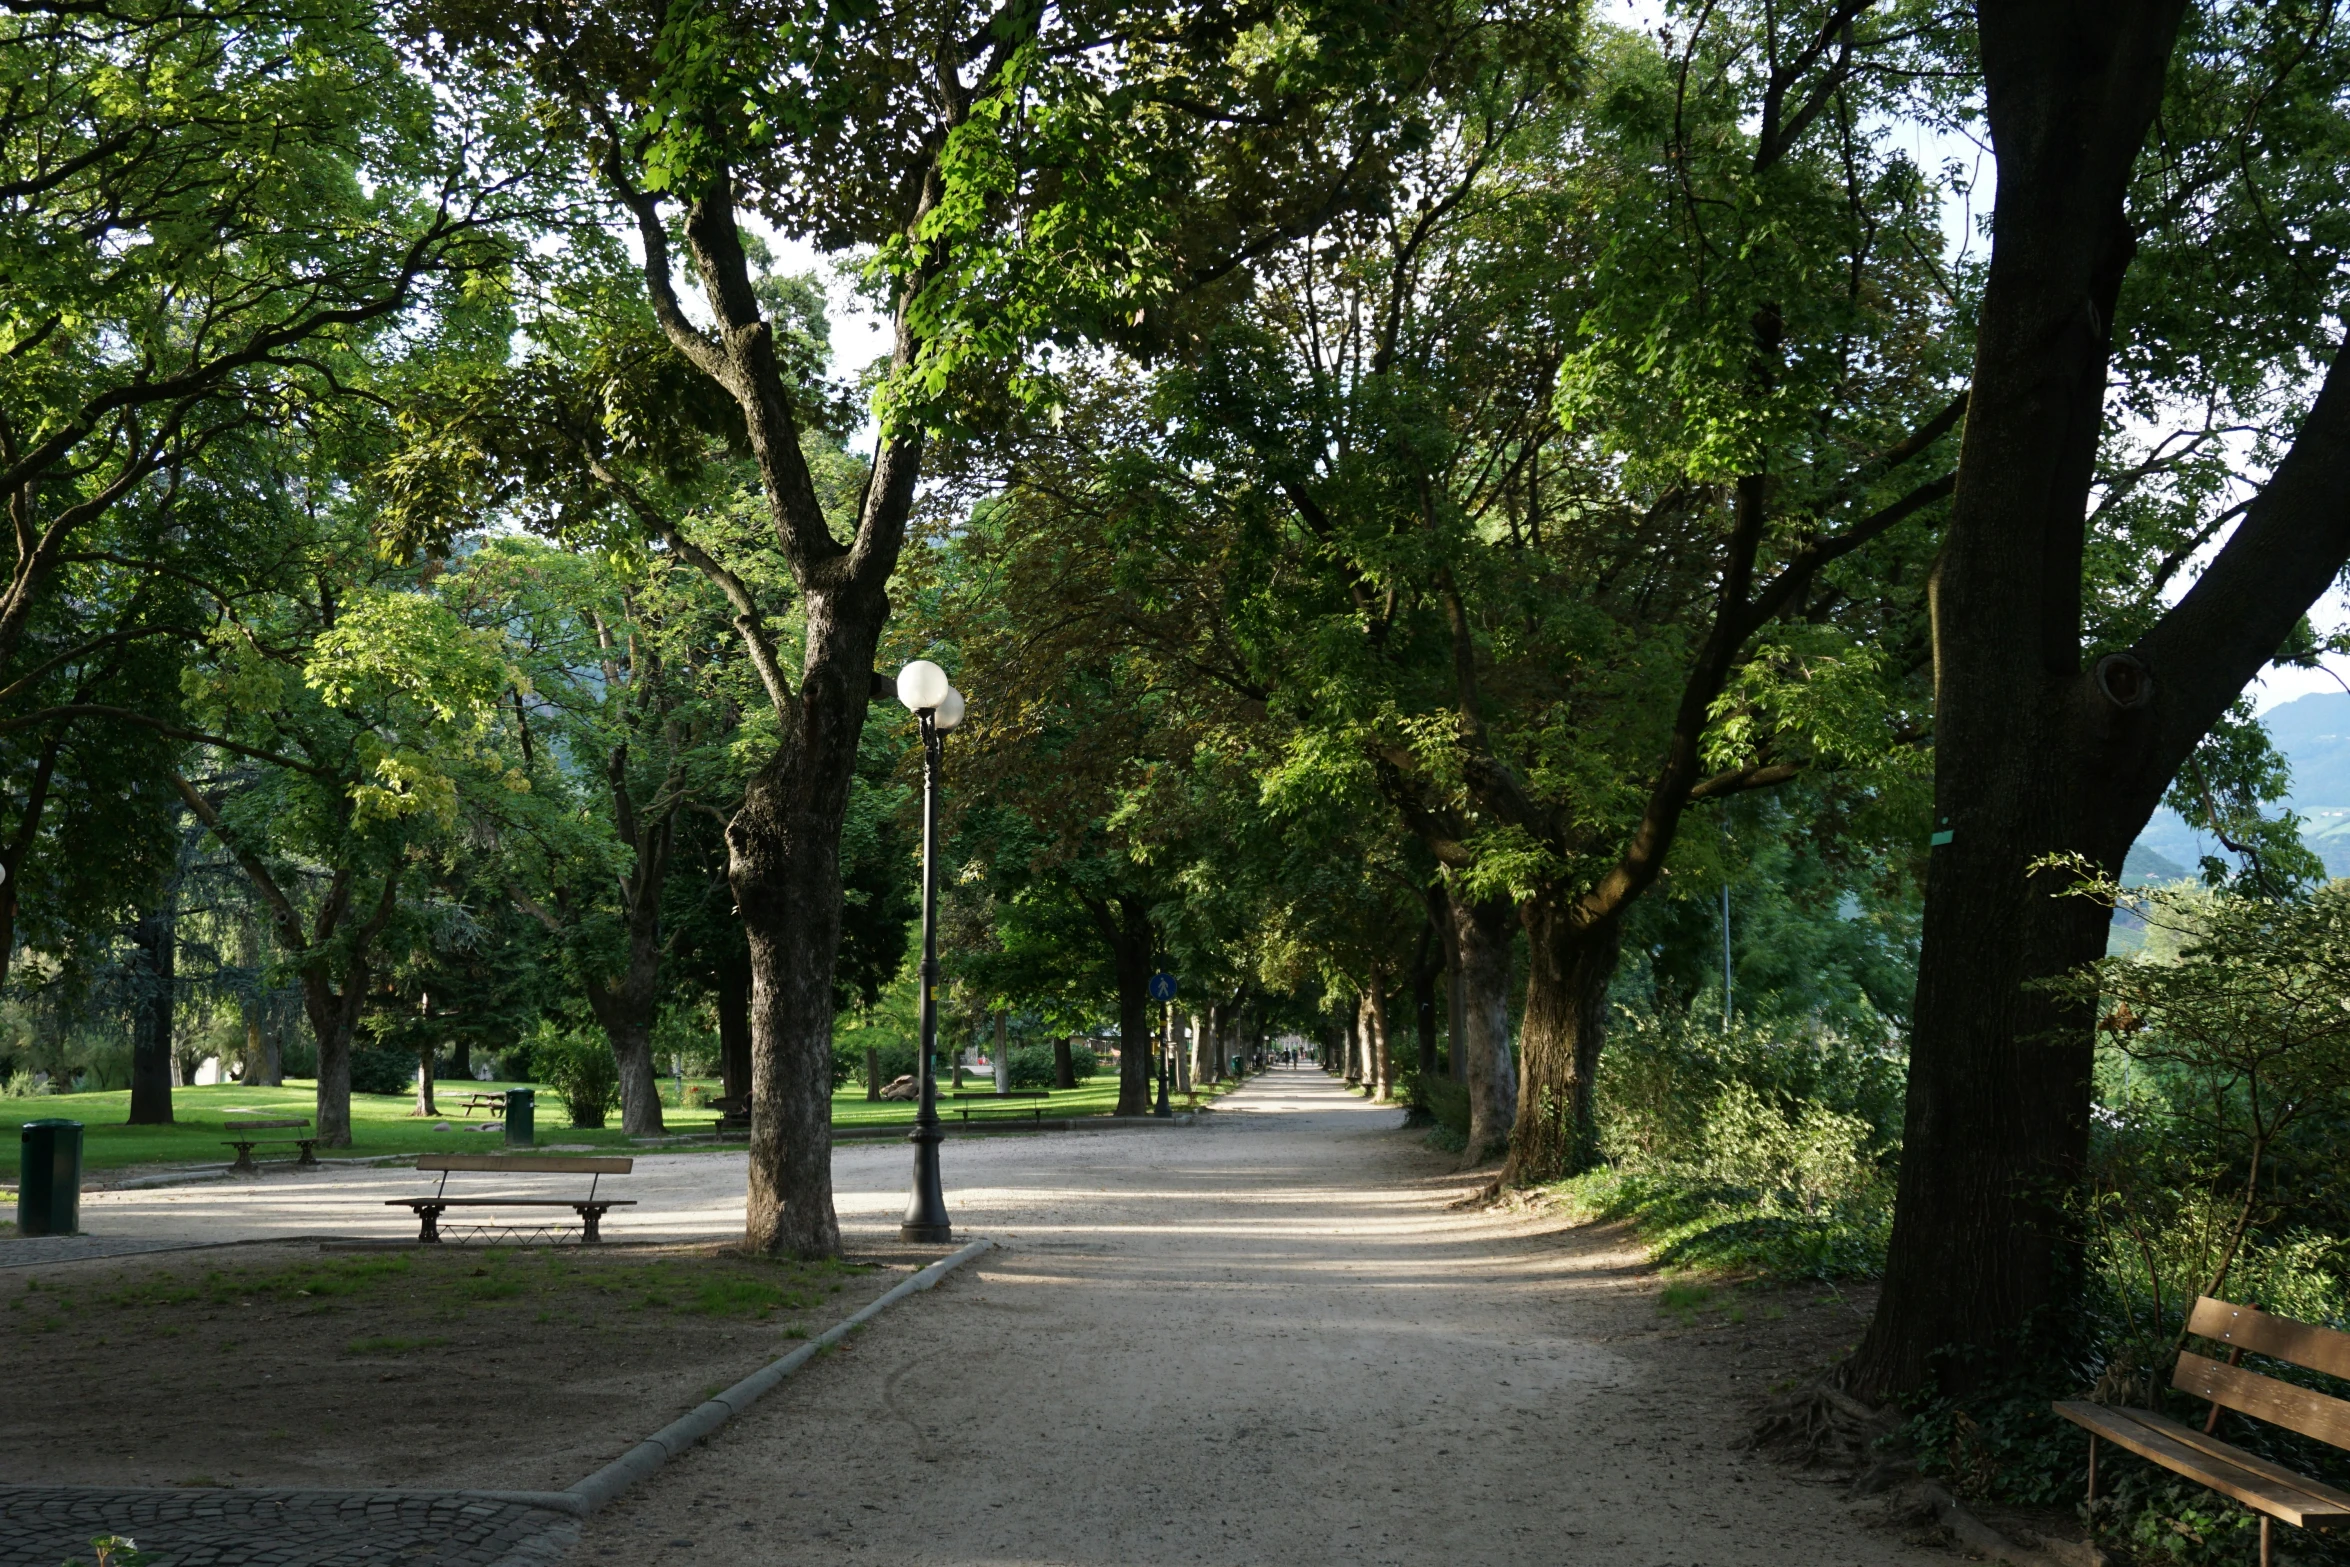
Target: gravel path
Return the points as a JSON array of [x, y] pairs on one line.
[[1271, 1339]]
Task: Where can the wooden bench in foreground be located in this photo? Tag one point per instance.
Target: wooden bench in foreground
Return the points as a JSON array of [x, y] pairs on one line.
[[590, 1208], [2271, 1490], [245, 1145]]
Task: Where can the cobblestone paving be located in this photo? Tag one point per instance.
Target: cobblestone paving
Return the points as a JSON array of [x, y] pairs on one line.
[[43, 1526]]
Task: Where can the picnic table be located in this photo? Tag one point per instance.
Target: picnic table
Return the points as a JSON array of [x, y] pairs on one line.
[[491, 1099]]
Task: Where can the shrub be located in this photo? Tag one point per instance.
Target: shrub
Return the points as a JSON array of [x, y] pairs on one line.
[[1084, 1063], [578, 1065], [1751, 1148], [379, 1071], [1032, 1066]]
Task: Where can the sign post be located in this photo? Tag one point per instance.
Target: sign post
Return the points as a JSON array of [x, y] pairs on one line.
[[1162, 989]]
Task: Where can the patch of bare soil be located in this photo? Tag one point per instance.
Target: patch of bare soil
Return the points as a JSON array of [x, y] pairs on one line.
[[464, 1367]]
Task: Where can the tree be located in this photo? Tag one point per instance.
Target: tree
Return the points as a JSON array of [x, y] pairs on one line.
[[2136, 270], [1018, 173]]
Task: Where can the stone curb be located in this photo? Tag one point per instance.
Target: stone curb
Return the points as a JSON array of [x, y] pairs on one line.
[[704, 1420]]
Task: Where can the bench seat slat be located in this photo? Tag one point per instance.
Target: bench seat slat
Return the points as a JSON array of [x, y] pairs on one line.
[[2265, 1398], [2230, 1471], [510, 1202]]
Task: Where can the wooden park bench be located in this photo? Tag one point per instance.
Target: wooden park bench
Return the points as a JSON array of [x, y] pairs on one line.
[[245, 1145], [2271, 1490], [965, 1103], [590, 1208]]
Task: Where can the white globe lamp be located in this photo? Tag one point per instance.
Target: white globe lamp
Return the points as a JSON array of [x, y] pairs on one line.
[[922, 684]]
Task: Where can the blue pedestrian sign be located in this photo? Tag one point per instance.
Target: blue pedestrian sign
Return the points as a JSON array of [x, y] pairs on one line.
[[1162, 987]]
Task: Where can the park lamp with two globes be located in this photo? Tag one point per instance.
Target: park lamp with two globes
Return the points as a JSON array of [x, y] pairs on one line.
[[924, 689], [938, 706]]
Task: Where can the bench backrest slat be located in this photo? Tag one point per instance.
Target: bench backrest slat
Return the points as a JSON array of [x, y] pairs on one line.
[[2255, 1331], [2266, 1398], [523, 1165]]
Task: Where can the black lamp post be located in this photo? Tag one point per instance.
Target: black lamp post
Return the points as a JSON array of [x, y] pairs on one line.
[[937, 707]]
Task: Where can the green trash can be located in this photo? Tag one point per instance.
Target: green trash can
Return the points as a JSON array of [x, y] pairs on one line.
[[49, 1179], [521, 1117]]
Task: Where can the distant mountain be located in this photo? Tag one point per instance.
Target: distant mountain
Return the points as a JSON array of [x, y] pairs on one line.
[[2314, 734]]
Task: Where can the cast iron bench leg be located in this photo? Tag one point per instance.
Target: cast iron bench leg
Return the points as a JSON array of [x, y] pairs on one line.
[[245, 1162], [430, 1213], [306, 1144], [590, 1215]]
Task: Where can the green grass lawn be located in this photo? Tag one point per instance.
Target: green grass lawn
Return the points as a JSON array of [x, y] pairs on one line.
[[382, 1124]]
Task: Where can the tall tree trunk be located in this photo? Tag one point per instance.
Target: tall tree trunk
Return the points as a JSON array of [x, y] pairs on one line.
[[733, 993], [333, 1017], [1351, 1021], [1126, 925], [424, 1100], [629, 1031], [784, 860], [1382, 1057], [1483, 932], [1570, 965], [1064, 1067], [154, 963], [1002, 1055], [2034, 755]]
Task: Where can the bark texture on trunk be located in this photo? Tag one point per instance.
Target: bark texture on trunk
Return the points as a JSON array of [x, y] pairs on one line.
[[154, 968], [424, 1101], [627, 1003], [1569, 966], [1002, 1053], [1382, 1061], [2035, 754], [1483, 932], [1064, 1068], [784, 859]]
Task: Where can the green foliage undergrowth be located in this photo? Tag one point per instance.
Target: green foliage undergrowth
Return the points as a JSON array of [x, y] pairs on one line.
[[1755, 1149]]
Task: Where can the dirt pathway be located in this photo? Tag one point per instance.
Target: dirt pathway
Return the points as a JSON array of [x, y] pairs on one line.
[[1267, 1340]]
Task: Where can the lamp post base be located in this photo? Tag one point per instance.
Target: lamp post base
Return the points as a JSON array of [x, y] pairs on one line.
[[926, 1206]]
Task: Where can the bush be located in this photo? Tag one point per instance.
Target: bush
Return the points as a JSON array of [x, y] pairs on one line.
[[1084, 1064], [577, 1064], [378, 1071], [1032, 1066], [1747, 1148], [1443, 1101]]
